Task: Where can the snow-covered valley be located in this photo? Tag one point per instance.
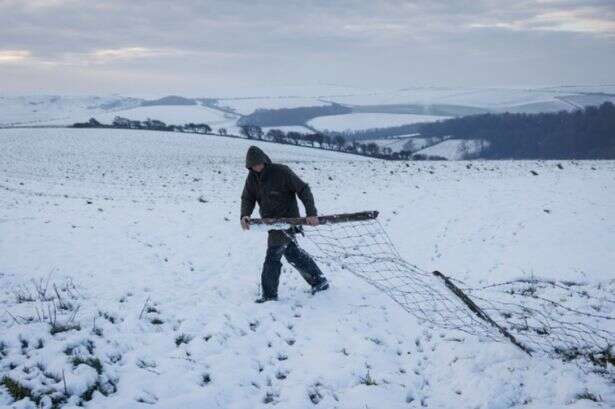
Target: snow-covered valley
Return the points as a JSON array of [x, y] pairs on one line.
[[139, 230]]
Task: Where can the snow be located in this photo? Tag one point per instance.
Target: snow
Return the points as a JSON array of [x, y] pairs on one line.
[[172, 114], [113, 217], [395, 144], [53, 109], [455, 149], [246, 106], [416, 144], [63, 109], [169, 114], [361, 121], [523, 99], [410, 143]]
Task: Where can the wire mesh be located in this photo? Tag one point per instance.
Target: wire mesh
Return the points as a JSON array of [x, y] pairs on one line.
[[567, 319]]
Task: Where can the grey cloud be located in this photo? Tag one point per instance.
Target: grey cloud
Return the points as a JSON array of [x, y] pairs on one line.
[[367, 43]]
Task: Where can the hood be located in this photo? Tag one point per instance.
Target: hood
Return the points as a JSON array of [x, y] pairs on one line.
[[255, 156]]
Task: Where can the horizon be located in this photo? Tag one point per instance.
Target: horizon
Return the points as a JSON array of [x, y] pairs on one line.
[[248, 92], [215, 48]]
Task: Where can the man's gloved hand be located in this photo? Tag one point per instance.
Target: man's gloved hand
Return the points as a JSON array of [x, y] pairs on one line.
[[245, 222], [312, 221]]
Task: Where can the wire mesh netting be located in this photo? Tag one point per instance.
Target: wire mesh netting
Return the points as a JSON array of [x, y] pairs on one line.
[[570, 319]]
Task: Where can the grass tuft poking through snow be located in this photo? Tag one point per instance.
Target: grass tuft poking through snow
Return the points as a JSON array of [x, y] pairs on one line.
[[205, 379], [15, 389], [156, 321], [368, 380], [91, 362], [589, 396], [183, 339]]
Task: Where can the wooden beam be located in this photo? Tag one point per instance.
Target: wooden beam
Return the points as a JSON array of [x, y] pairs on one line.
[[328, 219]]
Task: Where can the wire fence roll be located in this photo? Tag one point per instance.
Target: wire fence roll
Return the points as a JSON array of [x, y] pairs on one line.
[[568, 319]]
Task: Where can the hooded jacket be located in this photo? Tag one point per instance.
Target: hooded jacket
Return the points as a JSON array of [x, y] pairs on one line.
[[275, 189]]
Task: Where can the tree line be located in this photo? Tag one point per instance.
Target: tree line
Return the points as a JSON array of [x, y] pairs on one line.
[[315, 140], [291, 116], [148, 124], [335, 142], [587, 133]]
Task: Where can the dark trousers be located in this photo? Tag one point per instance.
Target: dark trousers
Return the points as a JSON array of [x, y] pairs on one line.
[[297, 257]]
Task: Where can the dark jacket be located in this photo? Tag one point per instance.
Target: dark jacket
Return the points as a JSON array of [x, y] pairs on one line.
[[275, 189]]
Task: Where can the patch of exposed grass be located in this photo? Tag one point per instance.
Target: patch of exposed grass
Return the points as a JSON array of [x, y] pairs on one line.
[[108, 388], [24, 297], [92, 362], [108, 316], [314, 394], [601, 358], [182, 339], [368, 380], [156, 321], [58, 327], [588, 396], [205, 379], [147, 365], [269, 398], [87, 344], [15, 389]]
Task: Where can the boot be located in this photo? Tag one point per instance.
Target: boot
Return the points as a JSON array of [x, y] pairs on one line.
[[265, 299], [322, 286]]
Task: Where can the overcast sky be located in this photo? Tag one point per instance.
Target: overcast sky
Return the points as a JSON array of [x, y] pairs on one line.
[[201, 47]]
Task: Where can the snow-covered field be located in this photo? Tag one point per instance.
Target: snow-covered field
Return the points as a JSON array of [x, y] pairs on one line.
[[246, 106], [361, 121], [169, 114], [64, 110], [139, 231], [456, 149], [410, 143], [497, 99], [55, 109], [395, 144], [177, 115]]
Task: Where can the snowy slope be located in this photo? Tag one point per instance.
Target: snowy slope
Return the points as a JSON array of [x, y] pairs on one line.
[[177, 115], [140, 229], [246, 106], [456, 149], [410, 143], [54, 109], [360, 121], [169, 114], [395, 144], [61, 110]]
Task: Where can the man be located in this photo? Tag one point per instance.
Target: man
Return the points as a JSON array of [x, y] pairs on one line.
[[275, 188]]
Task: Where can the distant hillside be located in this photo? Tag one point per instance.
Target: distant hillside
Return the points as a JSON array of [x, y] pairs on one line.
[[169, 100], [587, 133], [290, 116], [431, 109]]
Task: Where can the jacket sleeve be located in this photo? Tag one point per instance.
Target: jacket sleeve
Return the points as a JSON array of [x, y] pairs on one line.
[[304, 192], [248, 200]]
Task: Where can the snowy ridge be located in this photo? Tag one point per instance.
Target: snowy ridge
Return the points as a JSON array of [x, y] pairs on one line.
[[64, 110], [44, 110]]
